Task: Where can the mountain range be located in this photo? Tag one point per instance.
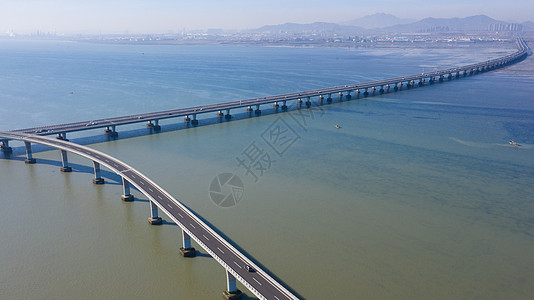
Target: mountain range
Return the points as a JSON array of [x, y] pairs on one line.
[[386, 23]]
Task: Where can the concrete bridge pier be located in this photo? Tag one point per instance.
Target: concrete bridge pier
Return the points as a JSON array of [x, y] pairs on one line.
[[381, 91], [187, 250], [220, 114], [284, 105], [257, 112], [97, 179], [5, 146], [409, 84], [373, 89], [29, 159], [308, 102], [357, 93], [126, 196], [441, 77], [66, 168], [249, 109], [349, 96], [321, 98], [111, 132], [329, 99], [154, 218], [366, 93], [276, 106], [231, 292], [149, 124], [194, 122], [187, 119], [228, 116], [431, 81], [62, 136], [340, 96], [449, 77], [397, 86], [157, 127]]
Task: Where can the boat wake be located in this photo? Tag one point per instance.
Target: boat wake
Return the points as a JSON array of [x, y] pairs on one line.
[[489, 145]]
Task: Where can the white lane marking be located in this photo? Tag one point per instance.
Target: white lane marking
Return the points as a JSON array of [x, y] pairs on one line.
[[180, 215], [160, 197], [220, 250], [276, 297], [170, 206], [237, 265], [150, 189], [141, 182], [256, 281], [192, 226], [206, 237]]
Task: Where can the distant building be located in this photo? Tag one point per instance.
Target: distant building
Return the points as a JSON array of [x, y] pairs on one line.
[[506, 27]]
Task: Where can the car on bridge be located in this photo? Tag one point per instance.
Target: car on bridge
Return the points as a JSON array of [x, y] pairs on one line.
[[249, 268]]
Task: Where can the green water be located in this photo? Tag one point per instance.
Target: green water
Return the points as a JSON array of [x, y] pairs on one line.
[[416, 196]]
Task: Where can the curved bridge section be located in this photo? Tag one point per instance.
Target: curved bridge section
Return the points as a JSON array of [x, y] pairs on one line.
[[258, 282]]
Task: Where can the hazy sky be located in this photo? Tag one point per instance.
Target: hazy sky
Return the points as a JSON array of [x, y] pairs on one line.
[[118, 16]]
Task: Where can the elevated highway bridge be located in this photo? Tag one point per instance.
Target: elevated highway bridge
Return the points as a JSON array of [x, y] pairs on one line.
[[238, 266]]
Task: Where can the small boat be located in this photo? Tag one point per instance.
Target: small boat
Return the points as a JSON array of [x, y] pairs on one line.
[[512, 143], [337, 126]]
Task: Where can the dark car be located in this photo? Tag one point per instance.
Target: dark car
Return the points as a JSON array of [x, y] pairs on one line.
[[249, 268]]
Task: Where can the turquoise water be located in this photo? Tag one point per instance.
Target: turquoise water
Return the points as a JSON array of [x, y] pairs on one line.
[[418, 195]]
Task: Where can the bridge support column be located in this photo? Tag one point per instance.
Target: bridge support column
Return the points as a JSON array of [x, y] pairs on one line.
[[220, 114], [156, 127], [97, 179], [349, 96], [65, 167], [149, 124], [154, 218], [366, 93], [308, 103], [62, 136], [357, 92], [111, 132], [276, 105], [5, 146], [231, 292], [329, 99], [228, 116], [194, 122], [187, 250], [381, 91], [284, 105], [321, 98], [29, 158], [387, 88], [249, 109], [187, 119], [340, 95], [126, 196]]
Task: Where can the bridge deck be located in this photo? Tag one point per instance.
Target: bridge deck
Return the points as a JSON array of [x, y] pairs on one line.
[[197, 110], [259, 282]]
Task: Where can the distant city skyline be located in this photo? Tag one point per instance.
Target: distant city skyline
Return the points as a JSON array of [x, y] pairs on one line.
[[158, 16]]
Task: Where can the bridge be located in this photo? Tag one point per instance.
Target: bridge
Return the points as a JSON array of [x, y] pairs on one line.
[[191, 114], [237, 265]]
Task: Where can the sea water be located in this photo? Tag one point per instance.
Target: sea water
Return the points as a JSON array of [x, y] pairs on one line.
[[417, 195]]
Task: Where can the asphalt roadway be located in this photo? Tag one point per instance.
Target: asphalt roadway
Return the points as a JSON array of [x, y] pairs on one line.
[[258, 282]]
